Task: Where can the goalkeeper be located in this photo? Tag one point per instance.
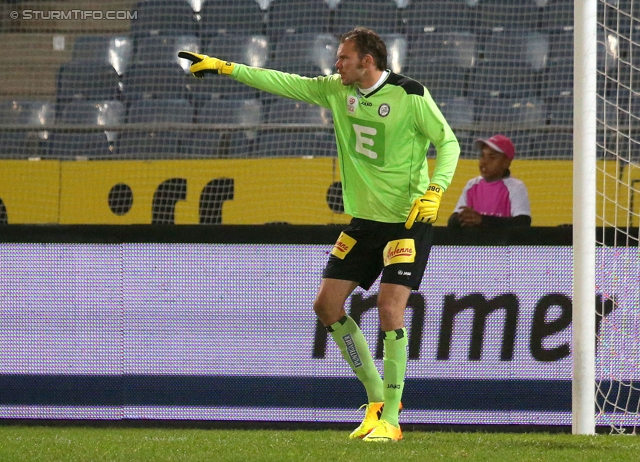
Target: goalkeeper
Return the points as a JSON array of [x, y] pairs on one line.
[[384, 124]]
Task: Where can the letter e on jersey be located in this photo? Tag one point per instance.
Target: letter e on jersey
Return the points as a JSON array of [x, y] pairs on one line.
[[343, 245], [399, 251]]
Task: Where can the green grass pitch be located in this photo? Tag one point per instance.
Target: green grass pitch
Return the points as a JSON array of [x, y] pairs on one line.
[[33, 442]]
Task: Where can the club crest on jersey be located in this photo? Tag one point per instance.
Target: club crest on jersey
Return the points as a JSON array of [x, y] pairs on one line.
[[343, 245], [399, 251], [352, 103], [384, 110]]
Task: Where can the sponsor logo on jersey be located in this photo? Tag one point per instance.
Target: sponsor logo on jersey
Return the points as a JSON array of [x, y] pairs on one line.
[[352, 351], [343, 245], [399, 251], [366, 103], [352, 102], [384, 110]]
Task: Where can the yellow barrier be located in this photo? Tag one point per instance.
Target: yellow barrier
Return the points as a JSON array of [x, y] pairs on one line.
[[257, 191]]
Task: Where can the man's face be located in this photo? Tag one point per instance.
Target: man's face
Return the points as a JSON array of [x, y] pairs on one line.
[[349, 65], [492, 164]]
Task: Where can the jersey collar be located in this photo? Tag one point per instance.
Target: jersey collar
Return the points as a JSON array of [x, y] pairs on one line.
[[366, 92]]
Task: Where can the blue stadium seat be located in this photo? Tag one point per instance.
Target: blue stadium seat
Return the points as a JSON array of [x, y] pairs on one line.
[[294, 144], [301, 53], [27, 112], [287, 111], [518, 48], [442, 79], [239, 48], [493, 80], [561, 49], [241, 112], [557, 15], [553, 144], [232, 17], [93, 80], [101, 113], [161, 111], [496, 15], [308, 16], [383, 16], [115, 50], [165, 48], [455, 47], [149, 144], [22, 143], [150, 80], [73, 145], [514, 112], [246, 49], [397, 51], [558, 79], [421, 17], [457, 110], [163, 17]]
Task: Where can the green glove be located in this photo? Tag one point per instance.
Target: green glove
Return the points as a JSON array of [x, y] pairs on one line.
[[425, 208], [205, 64]]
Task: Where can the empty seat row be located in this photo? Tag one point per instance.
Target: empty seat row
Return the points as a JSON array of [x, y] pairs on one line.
[[279, 17]]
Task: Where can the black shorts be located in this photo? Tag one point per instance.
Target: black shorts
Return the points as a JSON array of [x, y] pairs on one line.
[[366, 248]]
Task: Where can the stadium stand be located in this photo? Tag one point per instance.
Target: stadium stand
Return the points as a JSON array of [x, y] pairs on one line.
[[115, 50], [163, 17], [383, 16], [308, 17], [232, 17], [22, 143]]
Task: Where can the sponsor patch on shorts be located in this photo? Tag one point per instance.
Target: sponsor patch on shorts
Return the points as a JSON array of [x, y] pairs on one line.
[[343, 245], [399, 251]]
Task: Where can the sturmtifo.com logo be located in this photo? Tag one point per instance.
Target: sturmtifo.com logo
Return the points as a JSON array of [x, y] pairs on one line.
[[77, 15]]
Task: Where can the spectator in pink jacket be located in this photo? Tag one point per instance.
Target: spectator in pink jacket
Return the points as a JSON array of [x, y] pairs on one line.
[[494, 199]]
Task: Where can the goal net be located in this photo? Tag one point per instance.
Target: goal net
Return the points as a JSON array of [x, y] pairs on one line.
[[618, 267], [100, 123]]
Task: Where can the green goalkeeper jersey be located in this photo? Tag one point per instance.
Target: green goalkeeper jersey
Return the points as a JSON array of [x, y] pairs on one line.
[[382, 137]]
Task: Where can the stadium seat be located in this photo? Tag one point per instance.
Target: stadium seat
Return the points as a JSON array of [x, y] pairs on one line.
[[26, 112], [232, 17], [73, 145], [397, 50], [164, 143], [307, 17], [514, 112], [558, 79], [92, 80], [557, 15], [206, 144], [560, 110], [294, 144], [299, 53], [149, 144], [244, 112], [518, 48], [442, 79], [165, 48], [287, 111], [383, 16], [101, 113], [496, 15], [240, 112], [608, 53], [553, 144], [115, 50], [246, 49], [22, 143], [163, 17], [455, 47], [458, 111], [149, 80], [421, 17], [494, 80], [160, 111]]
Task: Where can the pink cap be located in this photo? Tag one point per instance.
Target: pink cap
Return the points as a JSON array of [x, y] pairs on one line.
[[498, 143]]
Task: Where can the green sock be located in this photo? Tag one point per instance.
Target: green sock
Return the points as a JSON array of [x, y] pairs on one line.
[[355, 351], [395, 367]]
